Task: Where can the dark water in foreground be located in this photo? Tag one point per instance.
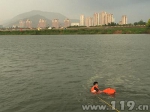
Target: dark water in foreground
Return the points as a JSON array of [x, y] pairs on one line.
[[55, 73]]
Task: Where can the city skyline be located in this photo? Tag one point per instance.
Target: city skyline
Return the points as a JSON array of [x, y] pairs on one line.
[[134, 9], [102, 18]]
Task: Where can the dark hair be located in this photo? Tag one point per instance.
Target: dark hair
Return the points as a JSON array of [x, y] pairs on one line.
[[95, 83]]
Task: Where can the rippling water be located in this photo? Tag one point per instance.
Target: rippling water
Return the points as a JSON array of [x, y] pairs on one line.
[[55, 73]]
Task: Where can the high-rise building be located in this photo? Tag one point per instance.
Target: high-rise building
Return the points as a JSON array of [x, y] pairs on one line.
[[120, 22], [21, 24], [103, 18], [106, 18], [42, 23], [109, 18], [55, 23], [96, 19], [28, 23], [67, 23], [124, 19], [82, 20], [89, 21]]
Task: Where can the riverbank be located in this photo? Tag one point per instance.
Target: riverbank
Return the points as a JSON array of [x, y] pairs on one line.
[[76, 31]]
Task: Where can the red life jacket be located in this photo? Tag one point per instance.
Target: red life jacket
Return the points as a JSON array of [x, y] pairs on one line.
[[109, 91], [93, 90]]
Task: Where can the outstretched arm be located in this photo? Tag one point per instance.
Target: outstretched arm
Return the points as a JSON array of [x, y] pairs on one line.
[[97, 90]]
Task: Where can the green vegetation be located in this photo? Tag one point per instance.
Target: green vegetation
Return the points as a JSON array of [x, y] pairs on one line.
[[89, 30], [148, 23], [112, 24], [141, 22]]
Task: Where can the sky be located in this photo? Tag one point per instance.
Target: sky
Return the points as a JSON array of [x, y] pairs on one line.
[[135, 10]]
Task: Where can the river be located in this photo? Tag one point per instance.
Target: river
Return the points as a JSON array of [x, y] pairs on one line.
[[55, 73]]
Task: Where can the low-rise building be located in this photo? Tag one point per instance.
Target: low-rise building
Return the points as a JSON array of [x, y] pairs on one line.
[[75, 24]]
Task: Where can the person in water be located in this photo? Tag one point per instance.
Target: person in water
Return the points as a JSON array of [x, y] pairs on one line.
[[95, 89]]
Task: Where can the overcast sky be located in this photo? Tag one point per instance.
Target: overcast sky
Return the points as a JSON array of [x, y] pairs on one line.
[[134, 9]]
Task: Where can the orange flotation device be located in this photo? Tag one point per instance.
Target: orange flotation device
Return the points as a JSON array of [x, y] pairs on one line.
[[109, 91], [93, 90]]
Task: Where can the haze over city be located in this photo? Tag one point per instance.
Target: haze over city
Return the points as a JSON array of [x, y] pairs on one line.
[[134, 9]]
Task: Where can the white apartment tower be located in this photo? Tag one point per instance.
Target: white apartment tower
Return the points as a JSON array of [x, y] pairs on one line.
[[21, 24], [28, 23], [82, 20], [106, 18], [96, 19], [89, 21], [67, 23], [42, 23], [102, 18], [124, 19], [110, 18], [55, 23]]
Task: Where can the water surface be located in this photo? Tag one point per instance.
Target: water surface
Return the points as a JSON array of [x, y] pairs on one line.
[[55, 73]]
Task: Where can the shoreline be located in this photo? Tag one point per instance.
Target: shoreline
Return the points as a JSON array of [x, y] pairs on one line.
[[80, 31]]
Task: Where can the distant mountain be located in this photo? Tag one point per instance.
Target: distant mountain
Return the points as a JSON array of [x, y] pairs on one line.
[[35, 15]]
